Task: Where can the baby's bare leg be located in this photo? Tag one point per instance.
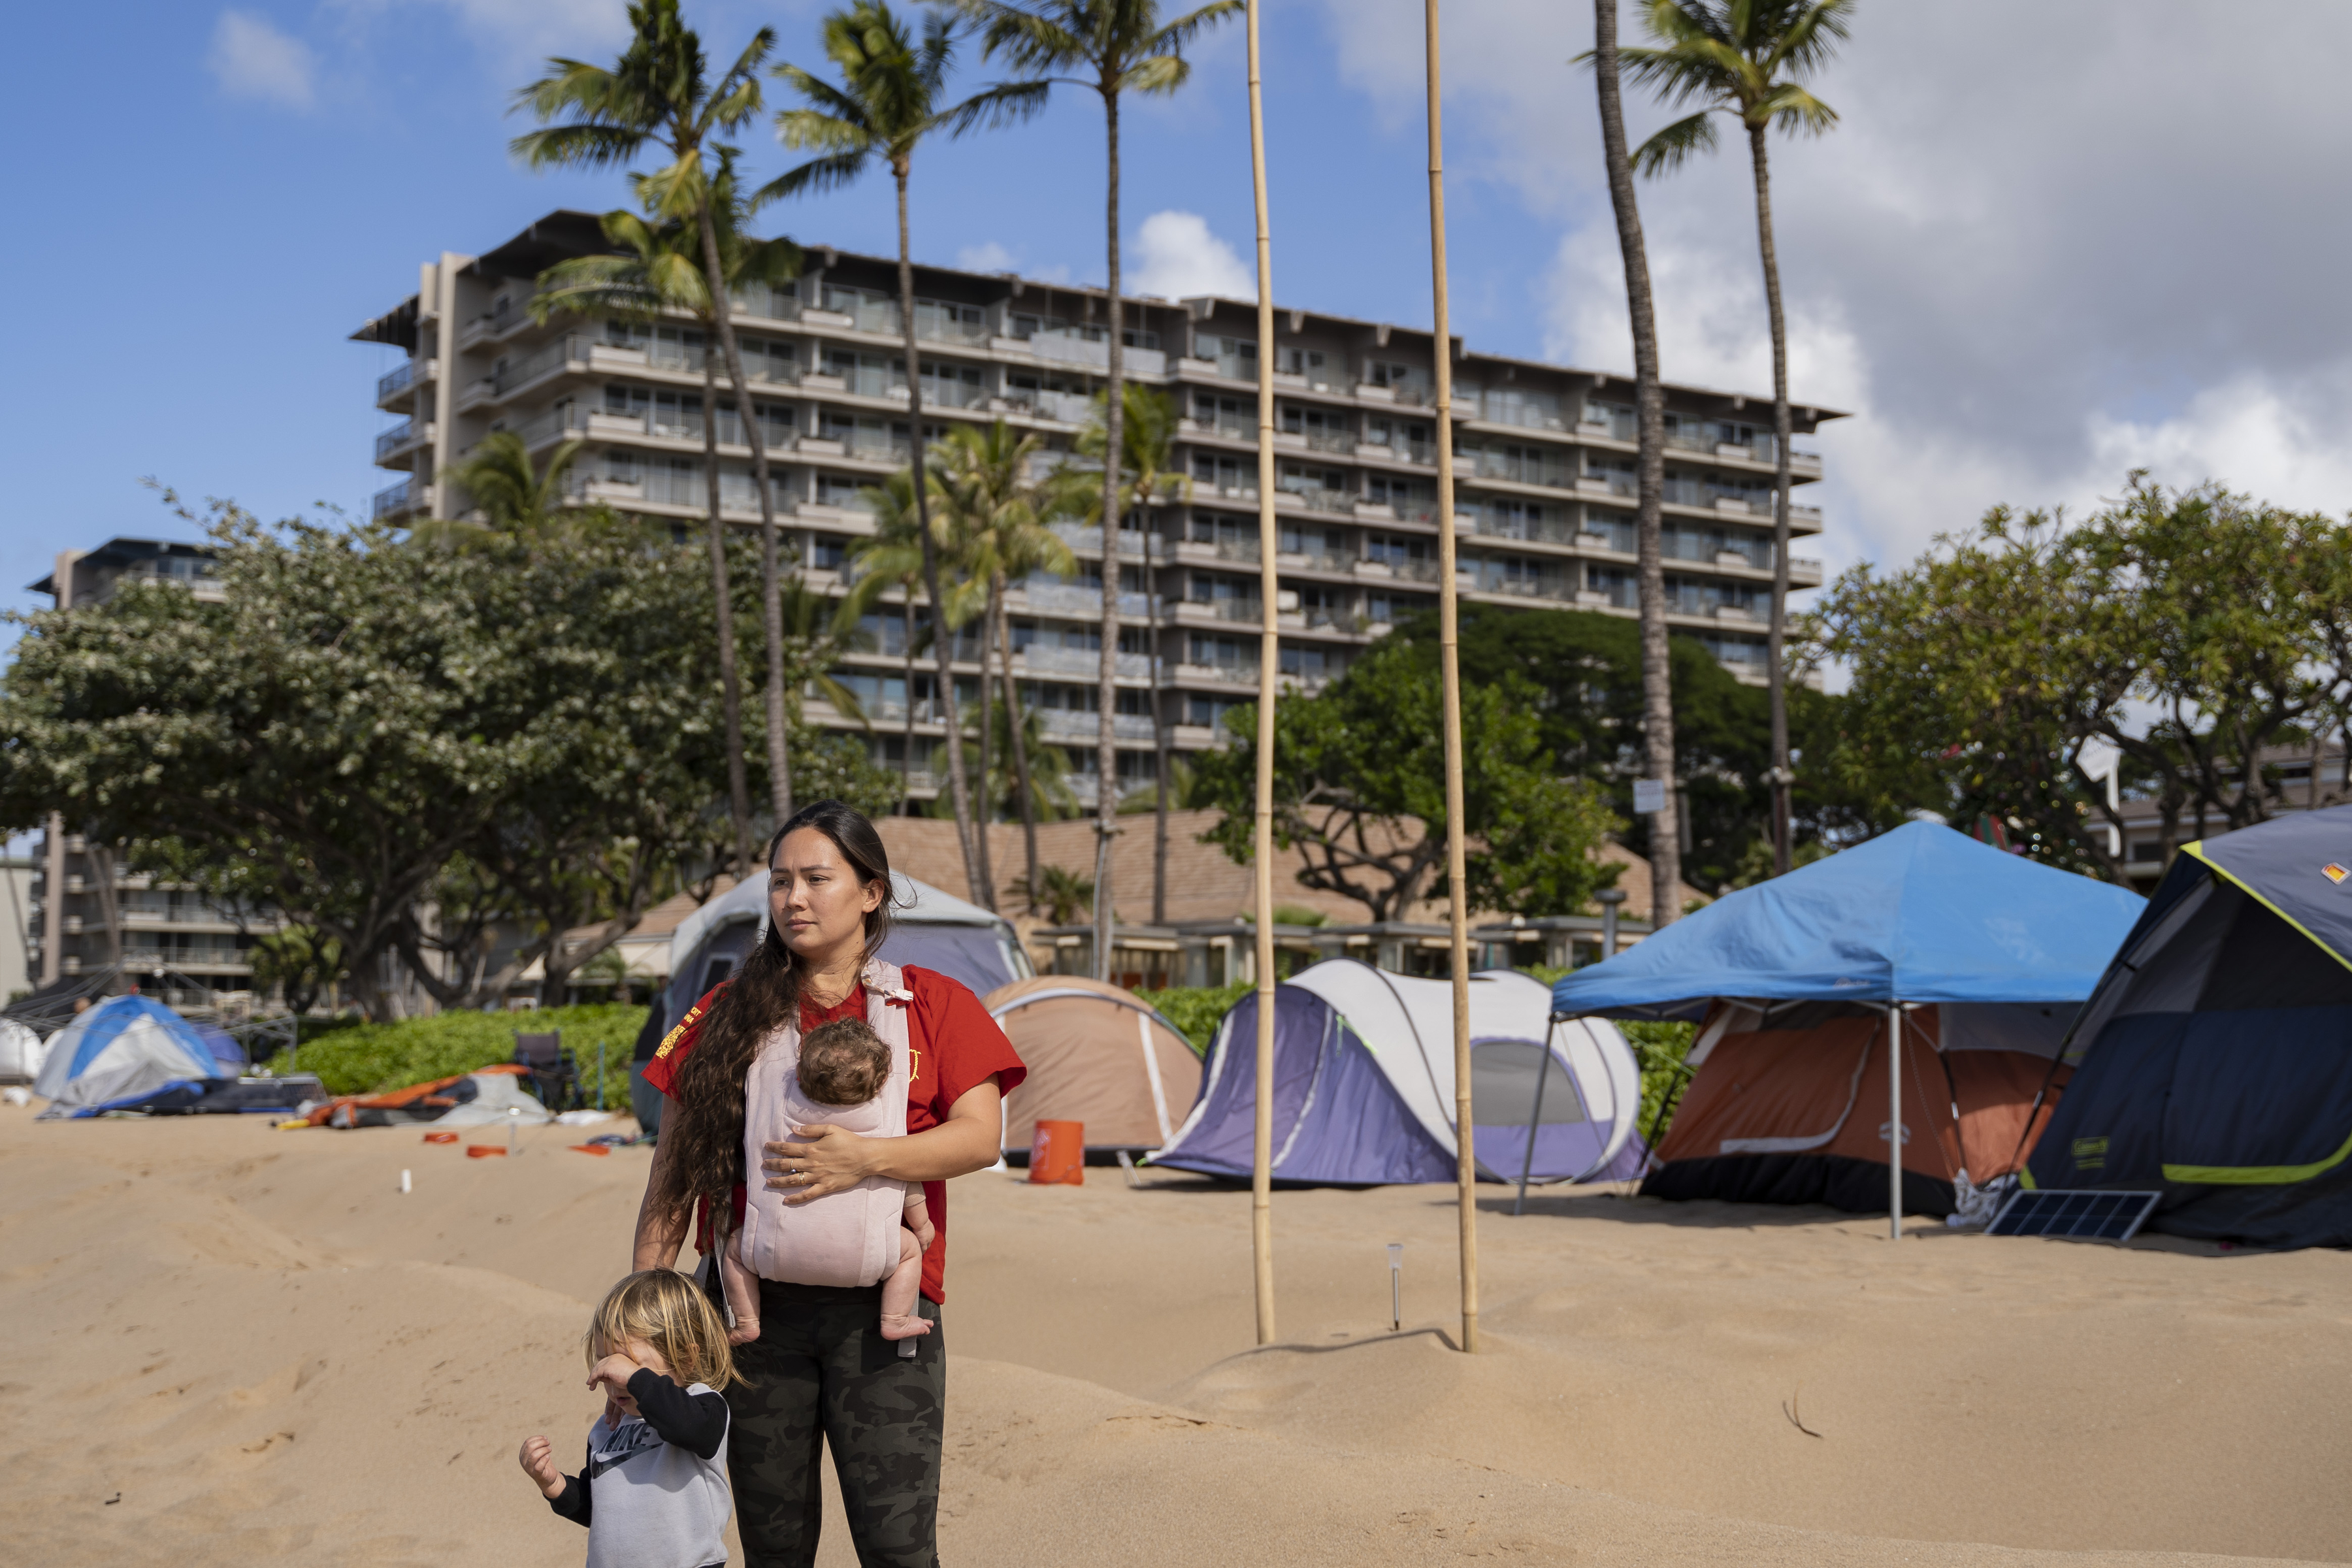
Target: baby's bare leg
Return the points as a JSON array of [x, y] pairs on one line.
[[900, 1321], [743, 1288]]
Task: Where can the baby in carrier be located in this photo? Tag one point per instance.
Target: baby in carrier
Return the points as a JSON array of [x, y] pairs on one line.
[[875, 1230]]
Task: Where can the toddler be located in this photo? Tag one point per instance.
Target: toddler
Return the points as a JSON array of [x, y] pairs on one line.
[[877, 1229], [654, 1492]]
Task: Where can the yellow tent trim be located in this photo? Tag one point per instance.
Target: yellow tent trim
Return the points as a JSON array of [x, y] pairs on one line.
[[2198, 849], [2257, 1176]]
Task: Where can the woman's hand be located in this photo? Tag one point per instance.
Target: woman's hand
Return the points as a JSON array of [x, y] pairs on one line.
[[821, 1159]]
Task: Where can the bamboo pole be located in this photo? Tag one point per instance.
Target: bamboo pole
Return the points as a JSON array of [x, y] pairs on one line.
[[1894, 1121], [1449, 656], [1269, 661]]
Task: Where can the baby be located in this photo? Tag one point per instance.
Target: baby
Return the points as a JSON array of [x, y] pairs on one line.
[[843, 1071], [654, 1492]]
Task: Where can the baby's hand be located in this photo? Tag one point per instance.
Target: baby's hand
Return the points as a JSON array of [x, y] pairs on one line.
[[537, 1459]]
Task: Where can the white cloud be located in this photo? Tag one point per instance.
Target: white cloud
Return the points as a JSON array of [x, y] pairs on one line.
[[1177, 257], [524, 32], [251, 58], [990, 257], [2025, 272]]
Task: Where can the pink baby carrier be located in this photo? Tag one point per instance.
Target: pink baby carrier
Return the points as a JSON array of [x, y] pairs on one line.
[[846, 1239]]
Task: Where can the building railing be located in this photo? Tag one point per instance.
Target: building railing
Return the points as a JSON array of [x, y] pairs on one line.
[[390, 499], [564, 350], [1039, 659], [1328, 440], [1315, 498], [396, 381], [393, 439], [1066, 724]]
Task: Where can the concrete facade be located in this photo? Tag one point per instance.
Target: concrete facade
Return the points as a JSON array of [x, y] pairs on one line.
[[1545, 469]]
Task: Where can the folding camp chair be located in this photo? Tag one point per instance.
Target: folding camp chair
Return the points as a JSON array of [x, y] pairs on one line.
[[555, 1076]]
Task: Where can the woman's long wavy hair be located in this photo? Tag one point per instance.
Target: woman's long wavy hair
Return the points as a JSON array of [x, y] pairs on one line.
[[702, 1133]]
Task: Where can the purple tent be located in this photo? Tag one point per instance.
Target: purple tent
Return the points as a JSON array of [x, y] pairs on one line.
[[1364, 1084]]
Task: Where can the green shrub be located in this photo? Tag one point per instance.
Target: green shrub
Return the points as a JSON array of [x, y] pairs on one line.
[[1197, 1009], [373, 1058]]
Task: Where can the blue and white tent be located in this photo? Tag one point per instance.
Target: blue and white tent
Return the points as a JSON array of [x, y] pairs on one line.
[[123, 1048], [1364, 1084]]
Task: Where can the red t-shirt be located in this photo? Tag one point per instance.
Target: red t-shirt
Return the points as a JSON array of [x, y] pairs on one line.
[[953, 1046]]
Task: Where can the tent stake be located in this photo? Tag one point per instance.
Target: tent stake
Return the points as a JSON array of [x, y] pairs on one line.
[[1527, 1161], [1895, 1123], [1269, 666], [1449, 664]]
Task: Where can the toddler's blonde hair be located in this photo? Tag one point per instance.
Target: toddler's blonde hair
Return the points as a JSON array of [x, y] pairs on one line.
[[668, 1312]]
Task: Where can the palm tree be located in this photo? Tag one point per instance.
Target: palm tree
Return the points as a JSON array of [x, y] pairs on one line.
[[998, 518], [513, 495], [889, 99], [1113, 48], [660, 93], [891, 557], [1148, 432], [1650, 434], [1748, 59], [657, 268]]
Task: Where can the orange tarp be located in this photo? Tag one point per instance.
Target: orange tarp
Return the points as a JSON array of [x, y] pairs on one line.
[[415, 1095], [1779, 1091]]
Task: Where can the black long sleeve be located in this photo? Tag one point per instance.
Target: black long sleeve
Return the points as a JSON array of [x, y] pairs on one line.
[[695, 1422], [577, 1500]]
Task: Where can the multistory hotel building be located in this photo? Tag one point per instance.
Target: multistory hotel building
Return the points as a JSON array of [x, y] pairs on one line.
[[1544, 468]]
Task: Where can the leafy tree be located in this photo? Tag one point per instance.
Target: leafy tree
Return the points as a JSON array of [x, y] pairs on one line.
[[2197, 631], [1110, 48], [892, 97], [1359, 786], [1749, 59], [658, 268], [329, 735], [1658, 753], [659, 94], [299, 962]]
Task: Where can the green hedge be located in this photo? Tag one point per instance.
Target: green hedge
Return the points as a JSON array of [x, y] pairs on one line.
[[1196, 1010], [371, 1059]]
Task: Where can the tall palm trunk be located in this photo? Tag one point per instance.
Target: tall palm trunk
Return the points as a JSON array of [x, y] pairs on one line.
[[942, 645], [1015, 721], [730, 688], [983, 805], [1649, 427], [1159, 740], [1782, 421], [906, 762], [1106, 732], [771, 580]]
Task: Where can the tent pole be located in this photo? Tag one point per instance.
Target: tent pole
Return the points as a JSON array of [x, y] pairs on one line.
[[1449, 663], [1894, 1121], [1269, 664], [1527, 1163]]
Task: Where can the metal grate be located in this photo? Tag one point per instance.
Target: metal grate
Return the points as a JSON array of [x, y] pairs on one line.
[[2081, 1215]]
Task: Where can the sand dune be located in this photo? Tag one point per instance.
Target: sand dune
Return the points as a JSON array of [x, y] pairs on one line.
[[265, 1350]]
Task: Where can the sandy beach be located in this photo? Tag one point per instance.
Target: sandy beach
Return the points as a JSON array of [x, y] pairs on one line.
[[228, 1344]]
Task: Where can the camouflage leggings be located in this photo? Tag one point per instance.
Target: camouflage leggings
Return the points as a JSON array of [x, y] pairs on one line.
[[820, 1373]]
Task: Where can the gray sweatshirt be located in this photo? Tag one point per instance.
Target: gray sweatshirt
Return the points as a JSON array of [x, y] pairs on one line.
[[653, 1493]]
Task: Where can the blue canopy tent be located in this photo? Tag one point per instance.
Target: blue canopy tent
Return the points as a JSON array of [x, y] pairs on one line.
[[2001, 948], [2216, 1053]]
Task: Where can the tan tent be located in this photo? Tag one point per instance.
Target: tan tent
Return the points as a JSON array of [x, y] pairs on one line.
[[1096, 1054]]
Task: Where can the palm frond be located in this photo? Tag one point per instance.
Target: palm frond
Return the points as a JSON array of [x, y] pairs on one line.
[[578, 146], [736, 97], [1795, 110], [1173, 37], [1029, 43], [826, 102], [818, 174], [1006, 104], [1811, 39], [1161, 74], [1665, 153]]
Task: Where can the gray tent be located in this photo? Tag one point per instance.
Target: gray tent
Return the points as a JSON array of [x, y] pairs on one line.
[[929, 929]]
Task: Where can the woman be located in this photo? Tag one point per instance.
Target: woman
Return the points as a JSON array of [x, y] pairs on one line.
[[820, 1371]]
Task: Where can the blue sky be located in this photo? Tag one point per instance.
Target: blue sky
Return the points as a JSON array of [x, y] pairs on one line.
[[2026, 271]]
